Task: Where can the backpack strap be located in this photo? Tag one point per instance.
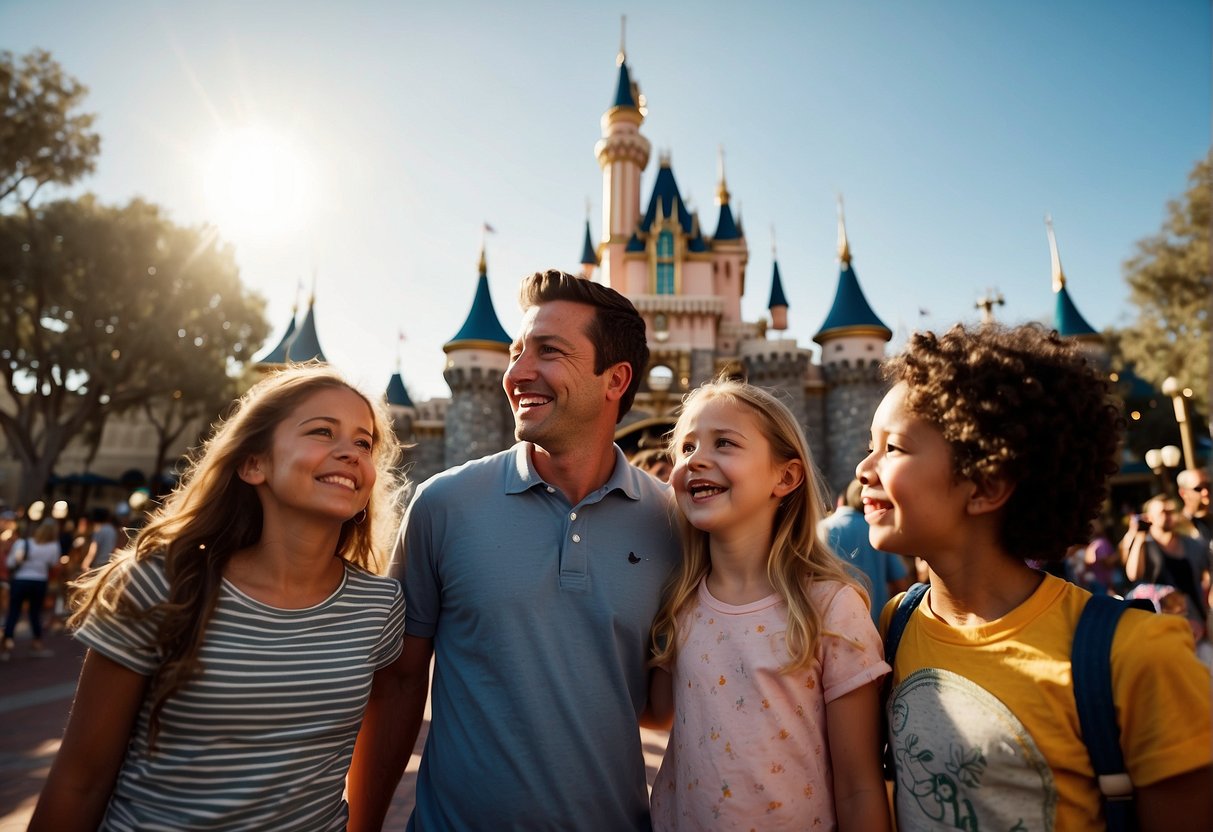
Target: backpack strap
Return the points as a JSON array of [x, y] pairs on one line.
[[1091, 666], [892, 638], [901, 617]]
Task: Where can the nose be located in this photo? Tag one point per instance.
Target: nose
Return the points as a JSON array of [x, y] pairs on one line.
[[865, 471], [519, 370]]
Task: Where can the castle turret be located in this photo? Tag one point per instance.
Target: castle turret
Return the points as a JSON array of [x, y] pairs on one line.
[[478, 420], [777, 305], [305, 346], [277, 356], [589, 257], [1067, 320], [852, 333], [729, 257], [622, 154], [852, 343]]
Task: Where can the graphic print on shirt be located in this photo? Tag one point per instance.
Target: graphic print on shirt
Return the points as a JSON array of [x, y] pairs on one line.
[[964, 761]]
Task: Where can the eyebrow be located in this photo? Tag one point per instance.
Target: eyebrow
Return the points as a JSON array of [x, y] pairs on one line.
[[544, 339], [332, 420]]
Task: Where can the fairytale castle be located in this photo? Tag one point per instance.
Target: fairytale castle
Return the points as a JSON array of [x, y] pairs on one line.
[[688, 285]]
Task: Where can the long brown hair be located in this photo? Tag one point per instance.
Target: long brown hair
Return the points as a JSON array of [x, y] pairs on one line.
[[797, 557], [213, 513]]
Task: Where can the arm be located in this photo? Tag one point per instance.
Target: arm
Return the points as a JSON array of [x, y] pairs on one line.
[[659, 712], [1185, 796], [82, 777], [1134, 545], [388, 734], [853, 729]]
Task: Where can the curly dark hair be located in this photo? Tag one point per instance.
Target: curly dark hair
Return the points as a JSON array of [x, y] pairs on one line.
[[617, 333], [1024, 404]]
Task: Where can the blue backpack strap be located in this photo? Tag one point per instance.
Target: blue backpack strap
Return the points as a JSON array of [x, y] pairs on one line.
[[1091, 665], [901, 617], [897, 626]]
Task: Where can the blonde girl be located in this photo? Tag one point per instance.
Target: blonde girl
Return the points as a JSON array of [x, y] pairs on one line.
[[233, 645], [765, 651]]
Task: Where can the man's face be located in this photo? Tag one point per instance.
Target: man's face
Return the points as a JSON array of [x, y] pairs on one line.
[[551, 384], [1160, 515], [1196, 496]]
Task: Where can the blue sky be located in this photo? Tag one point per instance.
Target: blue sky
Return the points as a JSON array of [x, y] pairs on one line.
[[950, 128]]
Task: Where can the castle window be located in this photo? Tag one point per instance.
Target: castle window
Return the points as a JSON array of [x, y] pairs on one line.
[[665, 263]]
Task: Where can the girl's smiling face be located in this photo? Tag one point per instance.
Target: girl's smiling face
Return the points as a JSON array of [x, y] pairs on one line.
[[912, 500], [726, 479], [321, 459]]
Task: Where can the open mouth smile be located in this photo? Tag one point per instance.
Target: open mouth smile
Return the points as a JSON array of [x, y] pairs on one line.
[[338, 479], [874, 509], [704, 490]]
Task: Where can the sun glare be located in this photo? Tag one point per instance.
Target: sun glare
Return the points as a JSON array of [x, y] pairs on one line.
[[256, 182]]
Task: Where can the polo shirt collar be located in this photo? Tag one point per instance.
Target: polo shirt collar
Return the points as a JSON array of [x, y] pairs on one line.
[[522, 476]]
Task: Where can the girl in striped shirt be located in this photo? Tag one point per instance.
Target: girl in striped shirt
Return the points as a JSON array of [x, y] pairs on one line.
[[233, 645]]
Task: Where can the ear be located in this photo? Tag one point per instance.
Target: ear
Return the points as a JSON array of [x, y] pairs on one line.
[[989, 494], [791, 475], [250, 471], [619, 377]]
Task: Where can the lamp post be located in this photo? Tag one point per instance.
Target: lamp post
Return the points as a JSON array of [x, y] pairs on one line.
[[661, 379], [1179, 398], [1159, 460]]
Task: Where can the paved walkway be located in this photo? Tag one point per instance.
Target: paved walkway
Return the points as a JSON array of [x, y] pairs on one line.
[[36, 695]]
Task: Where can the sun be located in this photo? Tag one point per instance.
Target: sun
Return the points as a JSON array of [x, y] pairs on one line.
[[257, 182]]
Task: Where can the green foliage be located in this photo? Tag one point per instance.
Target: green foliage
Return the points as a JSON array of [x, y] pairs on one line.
[[1170, 286], [108, 308], [43, 139]]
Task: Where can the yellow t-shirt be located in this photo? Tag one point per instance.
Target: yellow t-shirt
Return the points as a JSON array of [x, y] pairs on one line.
[[983, 725]]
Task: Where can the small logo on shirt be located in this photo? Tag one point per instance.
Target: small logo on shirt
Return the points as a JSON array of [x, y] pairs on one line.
[[632, 558]]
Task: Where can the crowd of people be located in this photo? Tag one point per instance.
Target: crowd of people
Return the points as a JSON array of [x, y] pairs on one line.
[[260, 654]]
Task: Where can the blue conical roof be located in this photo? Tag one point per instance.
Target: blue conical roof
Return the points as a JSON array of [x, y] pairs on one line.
[[397, 395], [481, 327], [305, 346], [777, 296], [726, 228], [1067, 320], [850, 311], [665, 194], [589, 257], [278, 354], [624, 95]]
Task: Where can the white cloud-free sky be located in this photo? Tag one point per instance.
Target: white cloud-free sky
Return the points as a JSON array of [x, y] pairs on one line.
[[380, 136]]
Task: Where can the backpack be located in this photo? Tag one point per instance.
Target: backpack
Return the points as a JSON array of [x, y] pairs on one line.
[[1091, 666]]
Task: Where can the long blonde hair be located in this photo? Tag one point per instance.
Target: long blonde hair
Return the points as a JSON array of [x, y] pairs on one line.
[[214, 513], [797, 557]]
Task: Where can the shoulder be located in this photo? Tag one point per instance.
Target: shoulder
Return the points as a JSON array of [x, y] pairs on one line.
[[836, 598], [479, 476], [361, 581]]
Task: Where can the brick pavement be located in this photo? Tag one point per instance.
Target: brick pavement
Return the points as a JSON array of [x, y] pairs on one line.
[[36, 695]]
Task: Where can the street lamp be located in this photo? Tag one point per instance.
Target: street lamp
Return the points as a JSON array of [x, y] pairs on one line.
[[1179, 397], [1159, 460], [661, 379]]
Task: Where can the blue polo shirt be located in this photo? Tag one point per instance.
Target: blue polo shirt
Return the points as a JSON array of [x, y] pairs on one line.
[[540, 614]]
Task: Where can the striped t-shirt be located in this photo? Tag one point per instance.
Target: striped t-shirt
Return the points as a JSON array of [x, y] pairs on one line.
[[263, 737]]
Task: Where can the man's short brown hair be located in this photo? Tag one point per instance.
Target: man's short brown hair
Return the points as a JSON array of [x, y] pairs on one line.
[[617, 332]]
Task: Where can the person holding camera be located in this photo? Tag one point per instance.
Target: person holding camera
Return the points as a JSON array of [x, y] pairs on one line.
[[1155, 553]]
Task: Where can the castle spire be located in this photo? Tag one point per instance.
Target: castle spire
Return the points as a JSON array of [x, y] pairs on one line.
[[305, 346], [1059, 277], [778, 303], [1067, 320], [482, 329], [844, 249], [726, 228], [851, 315]]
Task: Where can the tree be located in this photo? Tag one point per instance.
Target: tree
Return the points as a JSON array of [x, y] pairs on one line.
[[104, 309], [1171, 286], [43, 139]]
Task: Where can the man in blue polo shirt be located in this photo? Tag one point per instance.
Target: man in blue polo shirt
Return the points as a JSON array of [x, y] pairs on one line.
[[533, 576]]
